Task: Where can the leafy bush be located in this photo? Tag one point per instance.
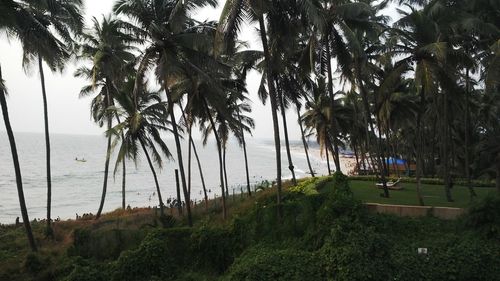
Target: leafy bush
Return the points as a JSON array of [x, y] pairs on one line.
[[279, 265], [484, 216], [104, 244], [88, 273], [449, 257], [161, 254], [354, 252], [213, 249]]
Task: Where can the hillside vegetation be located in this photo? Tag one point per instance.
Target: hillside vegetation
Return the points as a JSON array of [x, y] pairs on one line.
[[324, 234]]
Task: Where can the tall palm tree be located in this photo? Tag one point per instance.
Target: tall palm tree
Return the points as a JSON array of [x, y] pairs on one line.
[[141, 128], [62, 20], [17, 169], [175, 44], [108, 46], [17, 21], [230, 21]]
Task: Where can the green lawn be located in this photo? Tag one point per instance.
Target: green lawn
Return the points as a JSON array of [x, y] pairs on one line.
[[433, 194]]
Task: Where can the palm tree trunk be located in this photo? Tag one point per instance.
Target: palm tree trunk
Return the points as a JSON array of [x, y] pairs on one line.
[[201, 172], [472, 192], [498, 173], [160, 200], [106, 171], [193, 146], [274, 109], [335, 153], [124, 168], [304, 142], [420, 144], [108, 156], [244, 144], [225, 170], [17, 169], [49, 231], [366, 106], [328, 160], [446, 144], [287, 141], [221, 168], [190, 150], [179, 155]]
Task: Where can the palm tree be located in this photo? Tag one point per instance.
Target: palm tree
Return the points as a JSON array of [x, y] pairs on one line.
[[17, 169], [189, 120], [231, 120], [317, 118], [174, 48], [108, 46], [229, 23], [61, 19], [16, 21], [141, 128]]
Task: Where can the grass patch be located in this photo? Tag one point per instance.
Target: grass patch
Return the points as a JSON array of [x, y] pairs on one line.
[[434, 195]]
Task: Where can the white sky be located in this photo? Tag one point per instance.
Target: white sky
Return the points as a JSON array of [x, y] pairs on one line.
[[70, 115]]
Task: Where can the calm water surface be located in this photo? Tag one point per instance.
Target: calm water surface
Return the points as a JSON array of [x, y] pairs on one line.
[[77, 186]]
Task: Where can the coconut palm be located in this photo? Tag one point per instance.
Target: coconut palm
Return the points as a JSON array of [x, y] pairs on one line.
[[61, 20], [141, 129], [176, 46], [108, 46], [230, 21], [15, 20]]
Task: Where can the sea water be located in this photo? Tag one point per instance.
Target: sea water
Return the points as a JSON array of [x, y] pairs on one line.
[[77, 186]]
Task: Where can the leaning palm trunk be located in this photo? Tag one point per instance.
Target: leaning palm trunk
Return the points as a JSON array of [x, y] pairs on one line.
[[378, 146], [467, 137], [124, 168], [244, 144], [108, 153], [49, 230], [335, 152], [304, 142], [201, 172], [179, 155], [160, 200], [17, 169], [274, 108], [287, 142], [221, 168], [106, 171], [328, 160], [191, 145], [225, 169], [446, 144]]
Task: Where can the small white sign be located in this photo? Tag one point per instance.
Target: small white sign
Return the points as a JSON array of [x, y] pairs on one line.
[[422, 251]]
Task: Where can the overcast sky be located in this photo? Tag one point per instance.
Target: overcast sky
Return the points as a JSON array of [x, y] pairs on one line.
[[70, 115]]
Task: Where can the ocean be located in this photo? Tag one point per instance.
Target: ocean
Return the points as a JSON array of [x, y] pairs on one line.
[[77, 186]]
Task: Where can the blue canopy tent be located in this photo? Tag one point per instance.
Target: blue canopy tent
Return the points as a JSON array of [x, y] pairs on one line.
[[396, 161]]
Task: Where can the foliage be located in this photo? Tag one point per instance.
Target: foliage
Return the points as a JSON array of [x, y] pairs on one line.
[[356, 252], [484, 216], [260, 263]]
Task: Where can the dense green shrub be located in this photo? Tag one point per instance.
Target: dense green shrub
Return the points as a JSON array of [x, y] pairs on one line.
[[162, 254], [449, 257], [88, 273], [104, 244], [278, 265], [35, 263], [354, 252], [484, 216], [213, 249]]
